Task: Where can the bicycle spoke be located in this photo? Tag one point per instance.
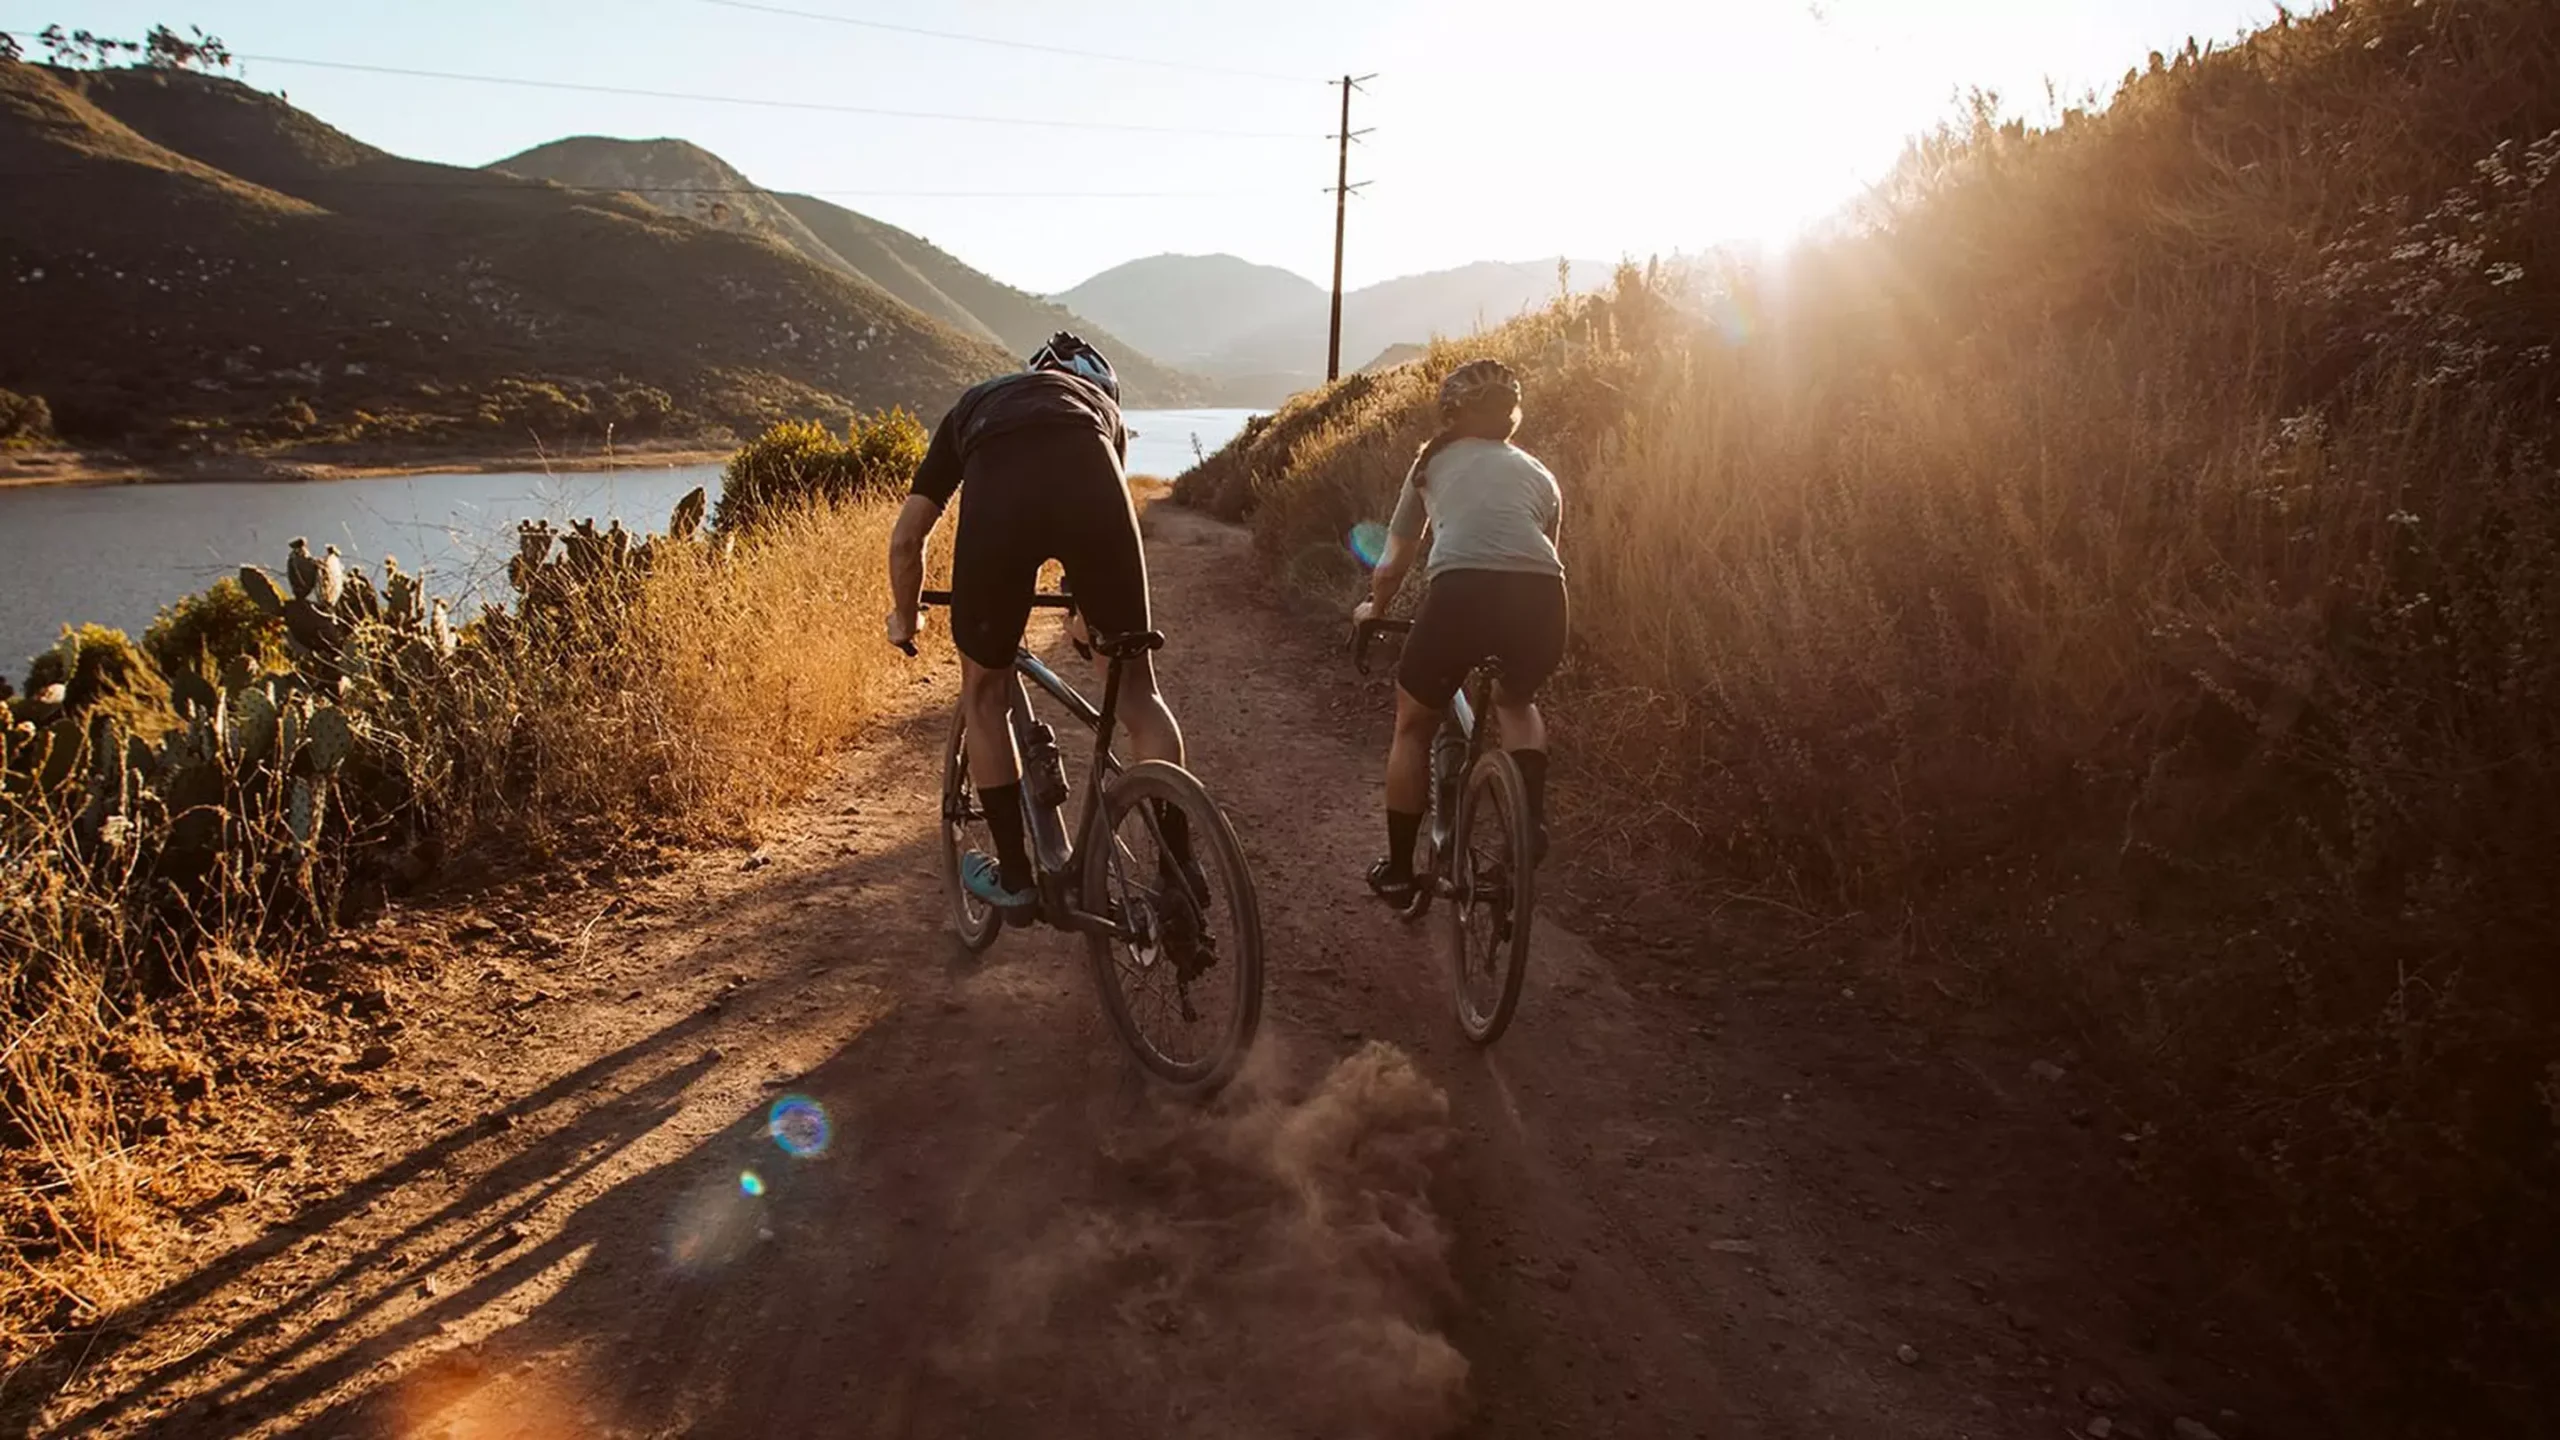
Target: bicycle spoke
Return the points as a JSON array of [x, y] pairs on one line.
[[1172, 990]]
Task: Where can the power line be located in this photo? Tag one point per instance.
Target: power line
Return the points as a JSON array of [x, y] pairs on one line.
[[773, 104], [1015, 44]]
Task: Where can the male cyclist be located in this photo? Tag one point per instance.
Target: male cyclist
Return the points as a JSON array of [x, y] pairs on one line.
[[1041, 452]]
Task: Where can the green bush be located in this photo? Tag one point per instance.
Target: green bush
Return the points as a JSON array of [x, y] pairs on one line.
[[798, 463], [201, 633], [24, 419], [101, 671]]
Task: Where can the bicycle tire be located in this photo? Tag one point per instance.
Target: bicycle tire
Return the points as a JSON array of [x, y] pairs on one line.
[[1494, 794], [972, 919], [1212, 838]]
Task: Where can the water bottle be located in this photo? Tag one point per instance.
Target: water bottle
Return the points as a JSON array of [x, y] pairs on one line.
[[1044, 770]]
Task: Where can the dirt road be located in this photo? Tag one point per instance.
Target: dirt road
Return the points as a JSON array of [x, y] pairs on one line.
[[1703, 1188]]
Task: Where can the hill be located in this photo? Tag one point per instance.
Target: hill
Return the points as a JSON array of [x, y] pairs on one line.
[[1409, 310], [688, 180], [1019, 320], [684, 179], [1188, 308], [195, 265], [1262, 330], [2125, 564]]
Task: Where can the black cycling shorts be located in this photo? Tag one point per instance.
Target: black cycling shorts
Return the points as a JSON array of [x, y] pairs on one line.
[[1517, 620], [1028, 497]]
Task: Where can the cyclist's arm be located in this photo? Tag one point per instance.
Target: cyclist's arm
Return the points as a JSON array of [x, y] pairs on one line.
[[906, 556], [1393, 566], [1406, 532], [936, 480]]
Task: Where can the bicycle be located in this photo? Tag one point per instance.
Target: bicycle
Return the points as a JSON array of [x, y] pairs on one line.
[[1477, 851], [1141, 940]]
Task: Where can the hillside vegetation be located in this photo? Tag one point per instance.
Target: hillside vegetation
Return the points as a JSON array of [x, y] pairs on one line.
[[192, 264], [193, 824], [2131, 560], [687, 180]]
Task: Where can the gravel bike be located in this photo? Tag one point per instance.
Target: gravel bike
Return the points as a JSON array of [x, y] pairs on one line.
[[1477, 850], [1167, 933]]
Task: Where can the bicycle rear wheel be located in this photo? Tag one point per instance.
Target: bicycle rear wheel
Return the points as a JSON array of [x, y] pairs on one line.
[[1493, 896], [1181, 974], [964, 828]]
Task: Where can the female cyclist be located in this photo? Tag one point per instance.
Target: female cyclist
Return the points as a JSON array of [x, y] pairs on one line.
[[1491, 513]]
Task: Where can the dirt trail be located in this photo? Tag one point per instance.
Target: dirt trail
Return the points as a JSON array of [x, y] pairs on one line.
[[1701, 1189]]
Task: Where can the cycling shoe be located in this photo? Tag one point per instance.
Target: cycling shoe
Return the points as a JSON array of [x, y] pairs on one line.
[[984, 878], [1396, 890]]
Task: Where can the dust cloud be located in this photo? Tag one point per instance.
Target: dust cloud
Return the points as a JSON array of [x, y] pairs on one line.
[[1274, 1266]]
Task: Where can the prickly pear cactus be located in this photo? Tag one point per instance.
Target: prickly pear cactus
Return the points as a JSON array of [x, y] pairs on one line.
[[300, 570], [333, 579], [262, 590], [328, 739], [305, 808], [361, 603], [191, 693], [251, 737], [402, 599]]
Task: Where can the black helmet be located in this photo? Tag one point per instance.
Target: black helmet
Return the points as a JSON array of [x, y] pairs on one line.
[[1070, 353], [1479, 384]]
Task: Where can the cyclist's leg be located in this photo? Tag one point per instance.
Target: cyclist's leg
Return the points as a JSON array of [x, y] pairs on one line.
[[1534, 621], [995, 562], [1106, 564], [1437, 656], [1408, 794]]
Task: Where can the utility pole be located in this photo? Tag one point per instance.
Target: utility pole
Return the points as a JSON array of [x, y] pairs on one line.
[[1342, 188]]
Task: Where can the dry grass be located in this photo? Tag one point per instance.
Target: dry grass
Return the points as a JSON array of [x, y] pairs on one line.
[[688, 702], [2133, 552]]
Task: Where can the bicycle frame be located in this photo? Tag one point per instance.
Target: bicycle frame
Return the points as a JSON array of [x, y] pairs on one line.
[[1054, 849], [1462, 721]]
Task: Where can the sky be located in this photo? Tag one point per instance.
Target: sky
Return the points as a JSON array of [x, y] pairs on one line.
[[1501, 129]]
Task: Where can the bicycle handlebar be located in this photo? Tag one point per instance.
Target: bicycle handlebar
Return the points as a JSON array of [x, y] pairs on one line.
[[943, 599], [1038, 602], [1368, 630]]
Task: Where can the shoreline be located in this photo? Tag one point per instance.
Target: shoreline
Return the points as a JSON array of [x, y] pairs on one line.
[[47, 468]]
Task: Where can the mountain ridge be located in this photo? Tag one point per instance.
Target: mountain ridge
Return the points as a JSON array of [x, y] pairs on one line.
[[684, 178], [199, 267]]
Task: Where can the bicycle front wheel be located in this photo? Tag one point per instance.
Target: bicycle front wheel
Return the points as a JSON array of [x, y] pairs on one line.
[[1493, 883], [1180, 970], [964, 828]]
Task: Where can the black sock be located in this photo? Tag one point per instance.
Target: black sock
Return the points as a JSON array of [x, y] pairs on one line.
[[1003, 804], [1401, 828], [1533, 778]]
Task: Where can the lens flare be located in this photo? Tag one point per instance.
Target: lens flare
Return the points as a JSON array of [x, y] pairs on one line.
[[799, 1125], [1736, 319], [750, 1184], [1369, 542]]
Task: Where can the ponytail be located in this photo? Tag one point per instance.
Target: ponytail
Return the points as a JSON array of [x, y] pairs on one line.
[[1449, 435], [1498, 423]]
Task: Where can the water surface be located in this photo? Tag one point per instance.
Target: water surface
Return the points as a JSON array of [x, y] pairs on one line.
[[114, 554]]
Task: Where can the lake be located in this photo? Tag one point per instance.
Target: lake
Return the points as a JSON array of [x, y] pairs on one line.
[[114, 554]]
